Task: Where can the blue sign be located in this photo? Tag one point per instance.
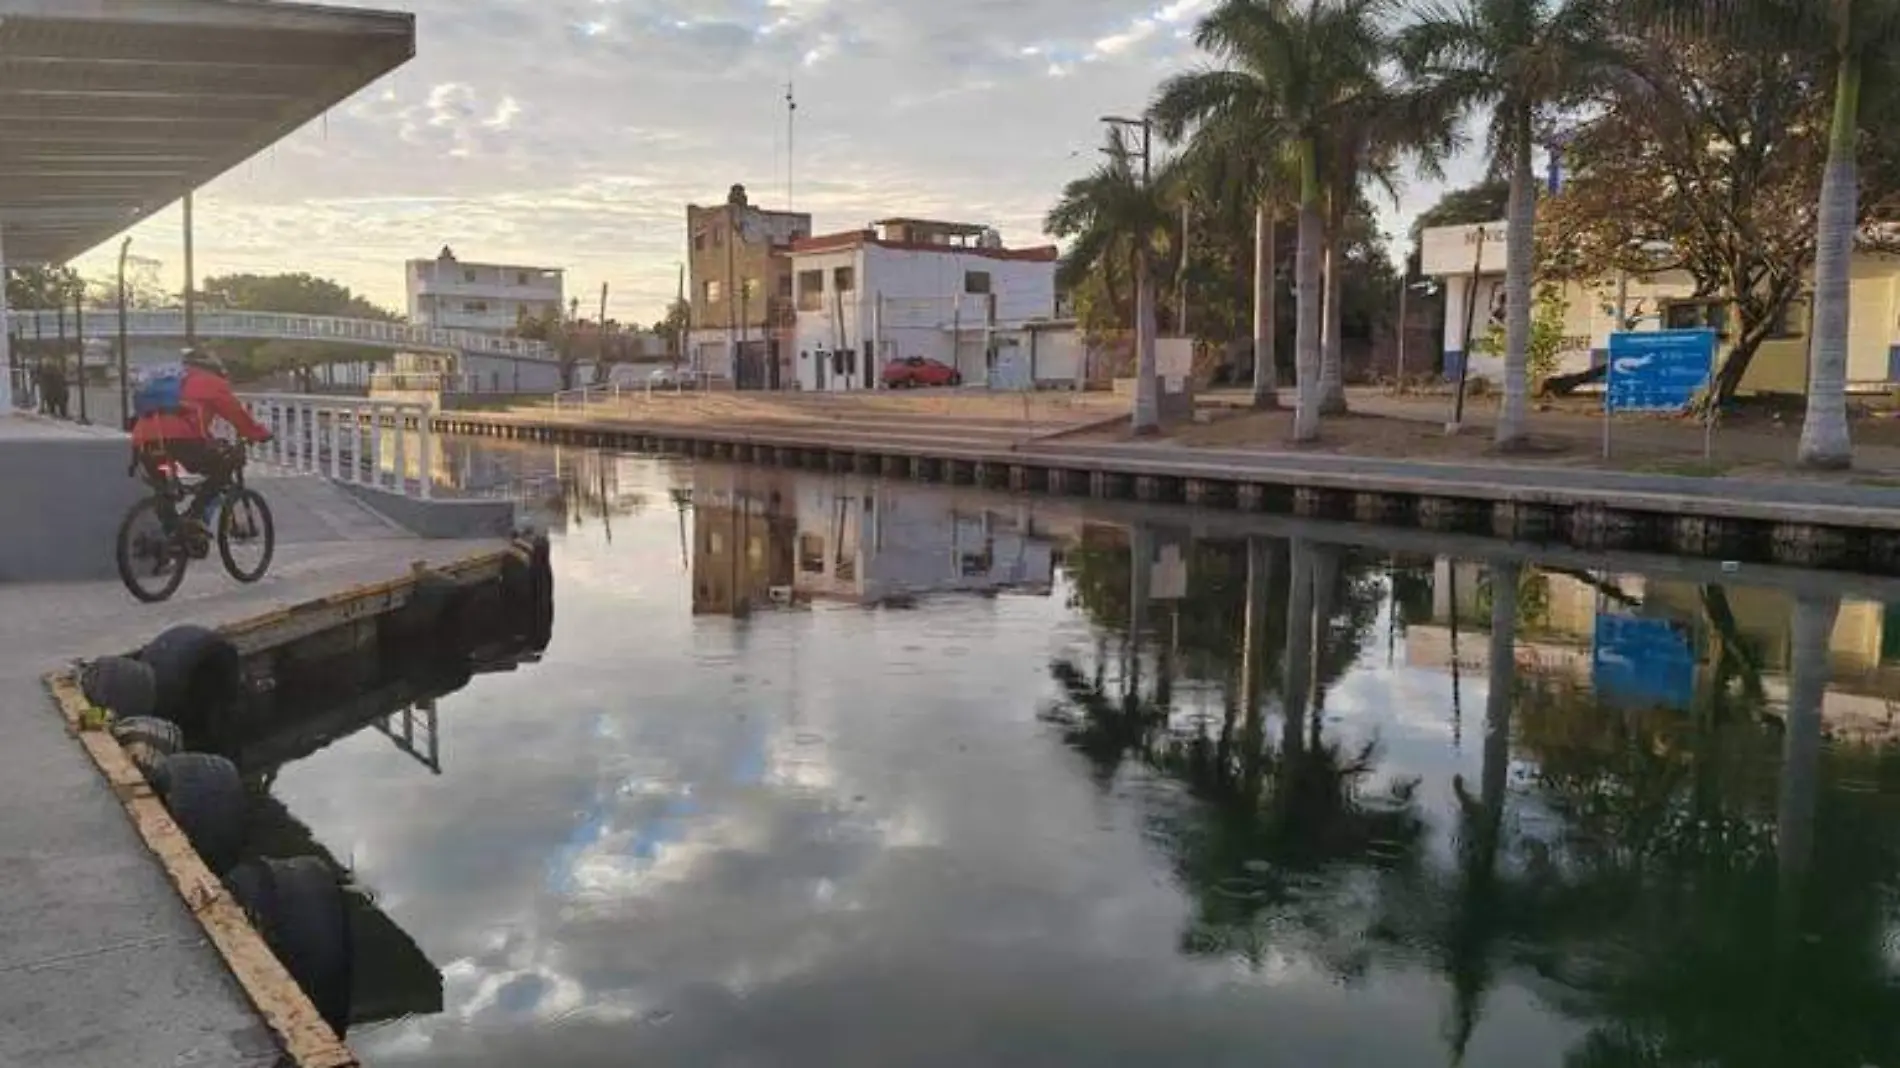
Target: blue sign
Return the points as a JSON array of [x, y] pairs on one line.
[[1659, 370], [1645, 662]]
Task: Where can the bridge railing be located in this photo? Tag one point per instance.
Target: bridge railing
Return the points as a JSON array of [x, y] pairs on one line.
[[170, 322], [348, 439]]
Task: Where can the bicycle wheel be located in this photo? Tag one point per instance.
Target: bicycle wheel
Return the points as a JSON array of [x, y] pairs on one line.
[[151, 560], [246, 531]]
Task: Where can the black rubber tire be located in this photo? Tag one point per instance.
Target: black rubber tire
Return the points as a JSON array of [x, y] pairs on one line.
[[304, 916], [133, 574], [517, 589], [126, 686], [161, 735], [259, 508], [205, 795], [956, 379], [144, 757], [197, 672]]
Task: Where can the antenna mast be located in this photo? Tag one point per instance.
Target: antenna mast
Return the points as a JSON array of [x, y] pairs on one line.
[[791, 131]]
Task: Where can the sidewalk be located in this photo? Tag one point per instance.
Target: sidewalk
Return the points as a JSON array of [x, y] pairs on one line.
[[101, 964]]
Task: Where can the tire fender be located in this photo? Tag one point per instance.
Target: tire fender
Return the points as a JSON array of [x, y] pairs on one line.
[[126, 686], [196, 671], [206, 798]]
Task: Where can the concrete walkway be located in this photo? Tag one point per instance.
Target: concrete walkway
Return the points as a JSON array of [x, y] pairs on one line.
[[100, 962], [1777, 500]]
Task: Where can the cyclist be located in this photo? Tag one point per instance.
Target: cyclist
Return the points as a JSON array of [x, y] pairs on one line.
[[174, 411]]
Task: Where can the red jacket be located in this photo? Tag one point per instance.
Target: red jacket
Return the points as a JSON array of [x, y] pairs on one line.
[[206, 398]]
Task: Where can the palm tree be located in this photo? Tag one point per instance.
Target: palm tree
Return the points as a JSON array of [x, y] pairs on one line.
[[1307, 64], [1519, 59], [1859, 37], [1232, 112], [1113, 216]]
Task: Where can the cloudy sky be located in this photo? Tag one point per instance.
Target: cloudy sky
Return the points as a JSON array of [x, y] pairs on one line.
[[572, 133]]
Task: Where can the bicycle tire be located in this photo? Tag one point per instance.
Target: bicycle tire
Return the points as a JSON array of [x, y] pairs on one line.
[[123, 554], [260, 510]]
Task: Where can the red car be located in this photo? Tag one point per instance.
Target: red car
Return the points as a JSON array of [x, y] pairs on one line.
[[913, 372]]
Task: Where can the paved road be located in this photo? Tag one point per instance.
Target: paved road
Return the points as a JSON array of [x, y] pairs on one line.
[[101, 965]]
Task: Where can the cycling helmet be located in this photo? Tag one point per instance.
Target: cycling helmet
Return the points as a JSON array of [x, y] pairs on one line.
[[199, 358]]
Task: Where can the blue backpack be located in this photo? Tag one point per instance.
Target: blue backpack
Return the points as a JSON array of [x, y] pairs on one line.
[[160, 392]]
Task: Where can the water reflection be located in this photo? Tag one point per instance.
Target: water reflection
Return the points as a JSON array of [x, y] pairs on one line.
[[832, 771]]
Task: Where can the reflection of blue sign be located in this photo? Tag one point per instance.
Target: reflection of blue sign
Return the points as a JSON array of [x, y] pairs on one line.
[[1643, 662], [1658, 371]]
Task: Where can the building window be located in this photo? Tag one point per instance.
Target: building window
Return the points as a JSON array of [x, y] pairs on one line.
[[711, 291], [475, 307], [1698, 315], [521, 278], [468, 275], [811, 290], [699, 241], [422, 270], [976, 281], [811, 554], [719, 238], [844, 279], [1791, 322], [785, 286], [750, 289]]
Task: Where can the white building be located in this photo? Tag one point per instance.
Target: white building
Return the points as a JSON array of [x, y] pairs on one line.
[[449, 293], [906, 287]]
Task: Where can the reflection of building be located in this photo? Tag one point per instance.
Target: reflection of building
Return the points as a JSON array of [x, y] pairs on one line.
[[762, 535], [868, 544], [1559, 633], [742, 540]]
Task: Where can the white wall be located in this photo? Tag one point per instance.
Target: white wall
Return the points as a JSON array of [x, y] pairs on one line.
[[915, 302]]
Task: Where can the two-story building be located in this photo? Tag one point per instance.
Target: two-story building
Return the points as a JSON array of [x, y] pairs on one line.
[[1469, 261], [944, 291], [490, 297], [739, 271]]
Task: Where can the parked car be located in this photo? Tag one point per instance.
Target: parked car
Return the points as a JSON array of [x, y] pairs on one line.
[[913, 372], [672, 378]]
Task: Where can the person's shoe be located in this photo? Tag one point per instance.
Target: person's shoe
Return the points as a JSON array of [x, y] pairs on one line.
[[197, 538]]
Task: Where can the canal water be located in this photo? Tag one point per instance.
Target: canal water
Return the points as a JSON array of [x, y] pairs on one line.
[[821, 771]]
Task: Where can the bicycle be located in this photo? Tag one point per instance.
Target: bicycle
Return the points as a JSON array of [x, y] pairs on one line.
[[243, 522]]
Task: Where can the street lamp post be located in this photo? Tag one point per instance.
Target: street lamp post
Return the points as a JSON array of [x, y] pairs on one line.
[[1147, 414], [125, 395]]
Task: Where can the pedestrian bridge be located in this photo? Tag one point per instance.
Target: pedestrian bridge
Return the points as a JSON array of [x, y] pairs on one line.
[[275, 326]]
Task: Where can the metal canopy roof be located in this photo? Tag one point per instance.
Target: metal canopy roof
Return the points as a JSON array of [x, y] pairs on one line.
[[112, 109]]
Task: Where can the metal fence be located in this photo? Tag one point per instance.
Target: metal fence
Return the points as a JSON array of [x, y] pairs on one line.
[[365, 442], [273, 326]]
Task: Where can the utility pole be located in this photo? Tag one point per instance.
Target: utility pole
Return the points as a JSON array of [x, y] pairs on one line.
[[791, 133], [79, 334], [600, 354], [1181, 281]]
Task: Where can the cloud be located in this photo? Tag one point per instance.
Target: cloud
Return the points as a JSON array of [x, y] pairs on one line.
[[572, 133]]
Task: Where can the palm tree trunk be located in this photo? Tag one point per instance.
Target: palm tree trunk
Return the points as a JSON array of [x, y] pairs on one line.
[[1306, 342], [1299, 649], [1519, 247], [1264, 291], [1332, 379], [1813, 628], [1147, 415], [1825, 442]]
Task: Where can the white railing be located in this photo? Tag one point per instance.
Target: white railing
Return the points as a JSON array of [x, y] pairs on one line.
[[274, 326], [348, 439]]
